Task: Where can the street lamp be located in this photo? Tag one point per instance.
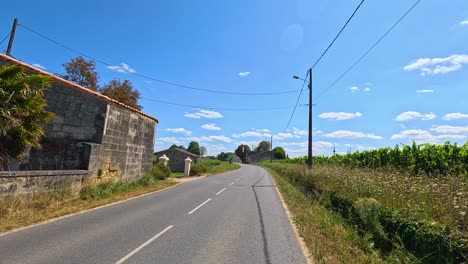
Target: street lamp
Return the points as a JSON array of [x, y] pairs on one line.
[[309, 150]]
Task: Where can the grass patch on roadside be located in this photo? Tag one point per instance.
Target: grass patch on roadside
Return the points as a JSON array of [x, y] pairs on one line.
[[326, 234], [223, 167], [16, 212], [176, 175], [211, 167]]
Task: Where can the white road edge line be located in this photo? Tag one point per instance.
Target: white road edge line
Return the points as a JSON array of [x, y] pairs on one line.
[[237, 179], [232, 183], [198, 207], [220, 191], [129, 255]]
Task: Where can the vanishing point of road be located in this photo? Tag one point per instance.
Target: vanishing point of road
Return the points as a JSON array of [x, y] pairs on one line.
[[233, 217]]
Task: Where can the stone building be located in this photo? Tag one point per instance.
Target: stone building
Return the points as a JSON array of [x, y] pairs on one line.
[[90, 132], [176, 158], [259, 157]]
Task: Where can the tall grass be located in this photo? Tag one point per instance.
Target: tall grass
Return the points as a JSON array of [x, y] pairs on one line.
[[442, 200], [397, 212]]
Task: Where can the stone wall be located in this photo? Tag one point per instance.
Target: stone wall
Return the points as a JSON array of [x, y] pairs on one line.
[[127, 144], [79, 116], [26, 183], [176, 158]]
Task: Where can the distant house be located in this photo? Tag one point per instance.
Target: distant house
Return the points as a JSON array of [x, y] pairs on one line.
[[177, 158], [259, 157]]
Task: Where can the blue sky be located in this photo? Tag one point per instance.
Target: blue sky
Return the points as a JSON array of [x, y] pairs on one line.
[[412, 86]]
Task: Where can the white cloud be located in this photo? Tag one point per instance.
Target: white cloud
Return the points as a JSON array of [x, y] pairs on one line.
[[244, 74], [122, 69], [405, 116], [171, 140], [423, 136], [248, 143], [210, 126], [403, 126], [214, 149], [351, 134], [354, 88], [438, 65], [251, 134], [220, 138], [281, 136], [367, 89], [450, 129], [180, 130], [37, 65], [463, 23], [452, 116], [339, 115], [205, 114], [299, 132], [424, 91], [263, 130]]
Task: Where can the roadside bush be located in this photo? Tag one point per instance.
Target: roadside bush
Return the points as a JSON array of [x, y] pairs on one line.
[[159, 171], [198, 169]]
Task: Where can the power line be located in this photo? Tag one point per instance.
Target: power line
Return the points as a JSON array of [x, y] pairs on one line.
[[152, 78], [369, 50], [339, 33], [297, 102], [320, 58], [216, 108], [1, 42]]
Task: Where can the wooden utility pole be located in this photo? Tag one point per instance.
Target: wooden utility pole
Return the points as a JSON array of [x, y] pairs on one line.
[[309, 154], [12, 37]]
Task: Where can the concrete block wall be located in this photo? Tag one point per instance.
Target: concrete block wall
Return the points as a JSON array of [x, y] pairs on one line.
[[128, 142]]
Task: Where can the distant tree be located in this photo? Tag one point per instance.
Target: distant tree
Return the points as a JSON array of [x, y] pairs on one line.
[[222, 156], [241, 152], [279, 153], [203, 151], [263, 146], [175, 146], [122, 92], [22, 112], [194, 148], [82, 72]]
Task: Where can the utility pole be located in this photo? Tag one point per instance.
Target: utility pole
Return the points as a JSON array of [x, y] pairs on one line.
[[309, 154], [271, 149], [12, 37]]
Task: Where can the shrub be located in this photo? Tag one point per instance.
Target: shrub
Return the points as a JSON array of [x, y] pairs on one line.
[[159, 171], [198, 169]]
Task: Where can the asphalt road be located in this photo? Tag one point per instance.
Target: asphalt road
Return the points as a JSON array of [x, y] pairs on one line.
[[234, 217]]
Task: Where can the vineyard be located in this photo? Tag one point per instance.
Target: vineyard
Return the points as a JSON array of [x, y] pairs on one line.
[[428, 159], [418, 195]]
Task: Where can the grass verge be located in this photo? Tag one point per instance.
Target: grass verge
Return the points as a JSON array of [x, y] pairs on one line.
[[223, 167], [16, 212], [325, 234], [176, 175]]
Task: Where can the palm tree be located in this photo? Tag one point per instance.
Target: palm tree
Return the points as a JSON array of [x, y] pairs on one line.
[[22, 112]]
